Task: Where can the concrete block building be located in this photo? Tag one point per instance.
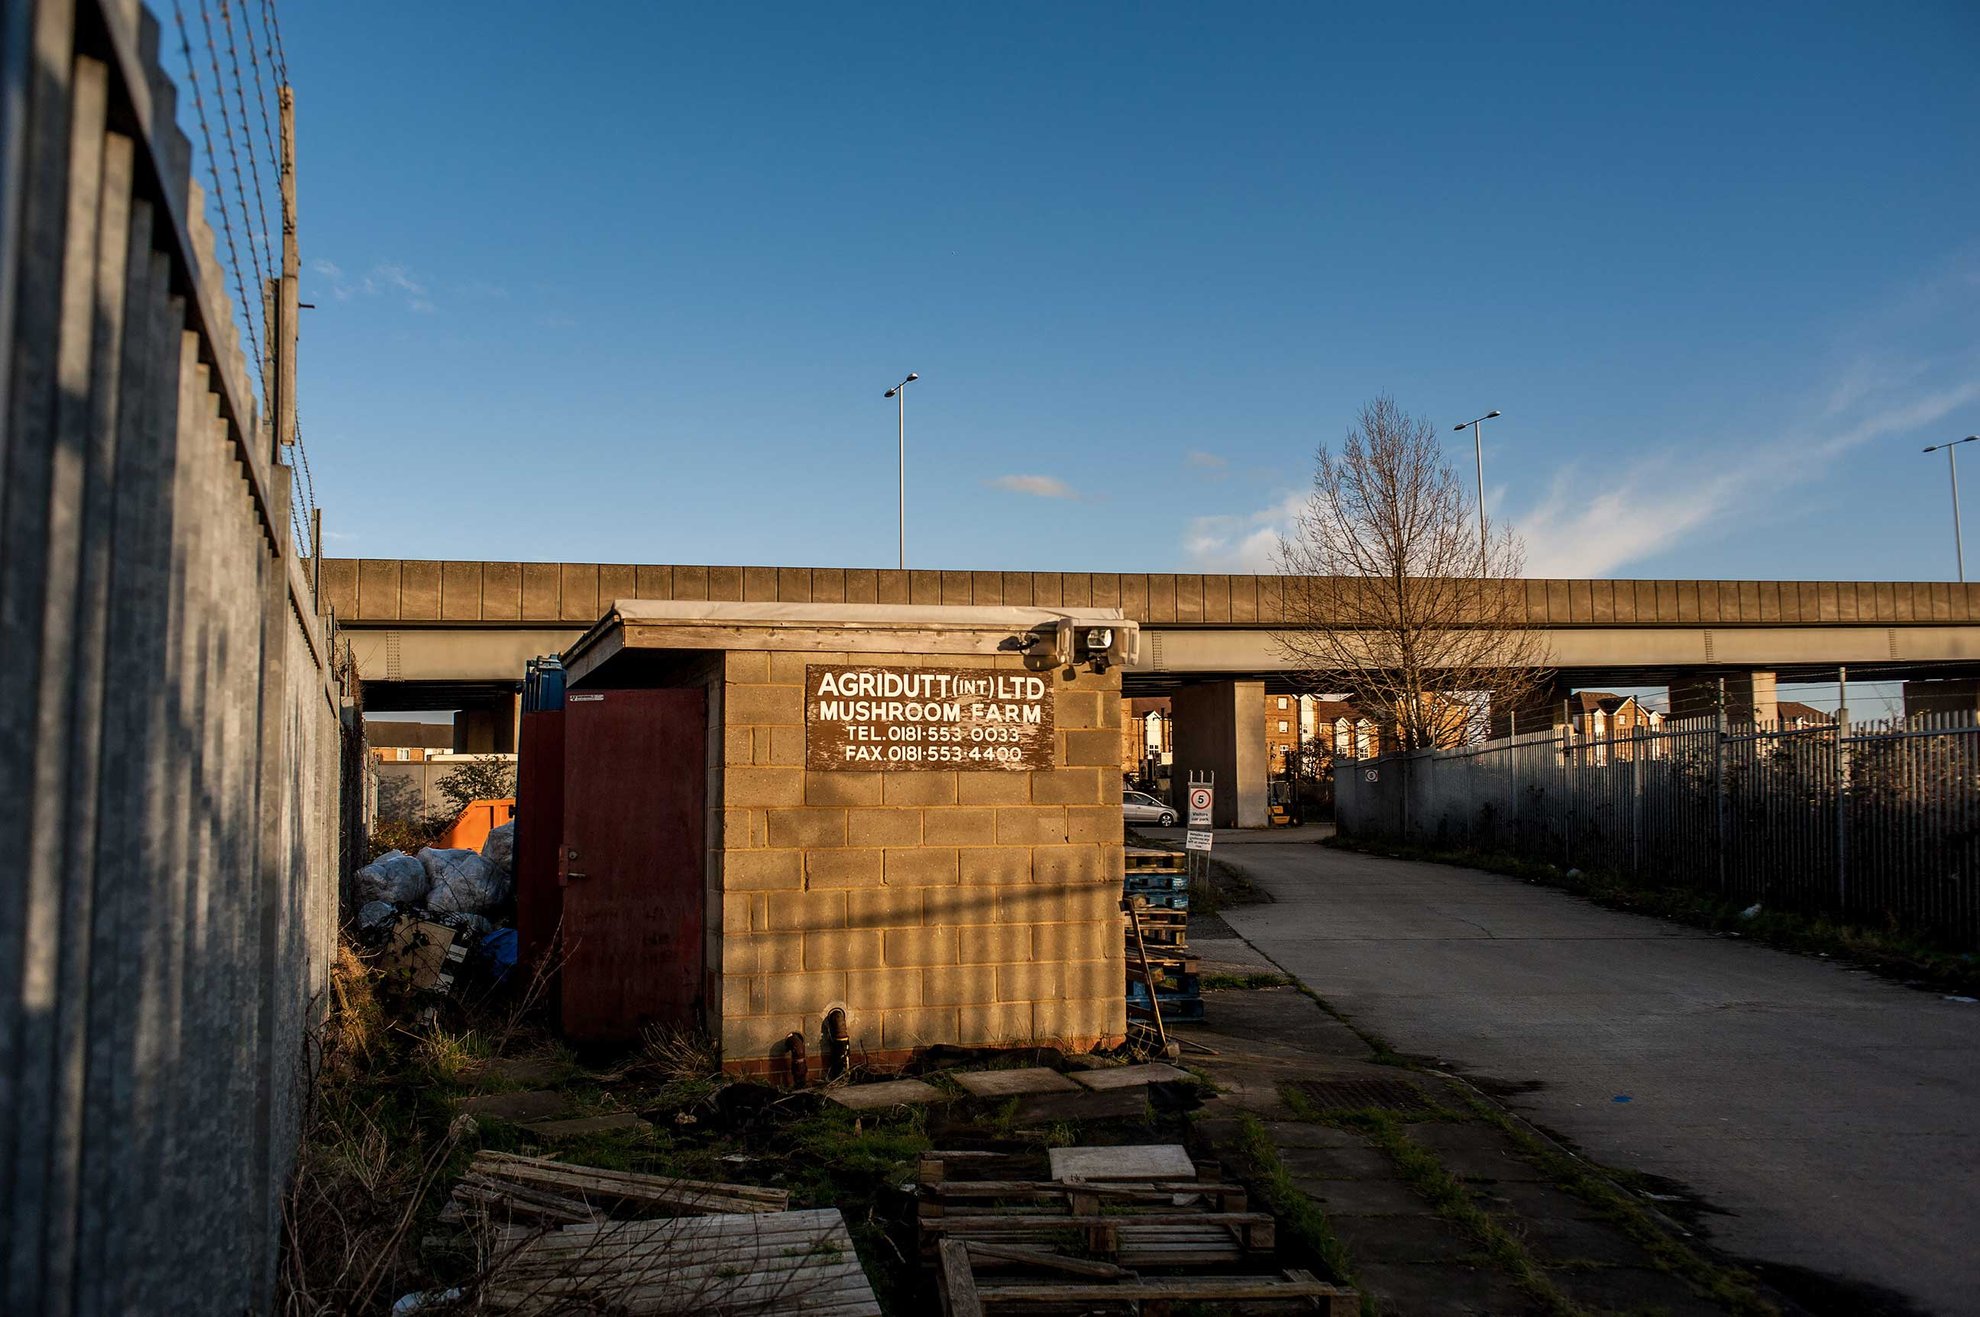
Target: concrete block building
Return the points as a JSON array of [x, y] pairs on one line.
[[940, 898]]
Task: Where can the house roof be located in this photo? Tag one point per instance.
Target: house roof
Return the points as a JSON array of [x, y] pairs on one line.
[[1794, 710], [1597, 701]]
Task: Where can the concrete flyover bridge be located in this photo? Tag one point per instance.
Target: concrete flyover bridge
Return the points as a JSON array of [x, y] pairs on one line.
[[455, 635]]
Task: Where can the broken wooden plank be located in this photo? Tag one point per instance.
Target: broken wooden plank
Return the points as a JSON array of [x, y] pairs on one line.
[[648, 1191], [955, 1283], [1041, 1260]]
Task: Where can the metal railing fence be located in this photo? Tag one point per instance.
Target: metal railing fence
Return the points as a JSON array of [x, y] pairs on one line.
[[1873, 822]]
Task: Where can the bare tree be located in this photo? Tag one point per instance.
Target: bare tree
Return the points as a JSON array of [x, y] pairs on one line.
[[1392, 597]]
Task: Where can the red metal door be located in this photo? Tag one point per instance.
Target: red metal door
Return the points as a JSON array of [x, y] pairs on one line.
[[635, 796], [539, 834]]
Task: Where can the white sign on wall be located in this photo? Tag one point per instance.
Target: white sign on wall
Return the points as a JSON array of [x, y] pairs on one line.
[[1197, 841]]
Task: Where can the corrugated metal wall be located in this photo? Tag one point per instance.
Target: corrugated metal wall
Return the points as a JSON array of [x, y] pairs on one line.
[[169, 726]]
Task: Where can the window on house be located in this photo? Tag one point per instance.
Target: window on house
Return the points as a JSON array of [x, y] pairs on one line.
[[404, 755], [1282, 724], [1282, 701]]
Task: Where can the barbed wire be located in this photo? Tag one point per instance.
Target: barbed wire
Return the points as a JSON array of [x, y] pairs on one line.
[[260, 92], [263, 236], [249, 309], [240, 196], [272, 24]]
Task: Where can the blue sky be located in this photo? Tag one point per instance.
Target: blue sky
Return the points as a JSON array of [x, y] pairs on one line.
[[628, 282]]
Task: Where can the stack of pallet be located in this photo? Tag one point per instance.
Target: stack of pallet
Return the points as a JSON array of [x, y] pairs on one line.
[[1156, 887], [1094, 1230]]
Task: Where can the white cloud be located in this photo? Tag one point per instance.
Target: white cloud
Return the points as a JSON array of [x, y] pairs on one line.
[[387, 278], [1206, 461], [1244, 542], [1594, 521], [1599, 517], [1036, 486]]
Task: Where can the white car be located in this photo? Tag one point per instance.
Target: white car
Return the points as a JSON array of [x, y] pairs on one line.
[[1139, 807]]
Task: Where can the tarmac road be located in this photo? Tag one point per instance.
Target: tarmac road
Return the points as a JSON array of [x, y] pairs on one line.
[[1830, 1115]]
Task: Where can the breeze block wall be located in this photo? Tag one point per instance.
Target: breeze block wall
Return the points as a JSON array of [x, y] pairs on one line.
[[933, 906]]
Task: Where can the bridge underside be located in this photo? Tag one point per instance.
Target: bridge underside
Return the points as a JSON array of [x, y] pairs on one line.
[[477, 670]]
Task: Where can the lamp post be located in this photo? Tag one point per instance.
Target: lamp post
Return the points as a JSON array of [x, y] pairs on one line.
[[1478, 450], [1952, 470], [900, 391]]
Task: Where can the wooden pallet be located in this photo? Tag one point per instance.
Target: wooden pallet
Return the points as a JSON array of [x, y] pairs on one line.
[[561, 1193], [1136, 884], [734, 1264], [969, 1282]]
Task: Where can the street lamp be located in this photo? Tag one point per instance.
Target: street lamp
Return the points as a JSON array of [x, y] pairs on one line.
[[900, 391], [1952, 469], [1478, 449]]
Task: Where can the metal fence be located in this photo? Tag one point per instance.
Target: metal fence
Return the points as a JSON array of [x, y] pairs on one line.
[[170, 722], [1873, 822]]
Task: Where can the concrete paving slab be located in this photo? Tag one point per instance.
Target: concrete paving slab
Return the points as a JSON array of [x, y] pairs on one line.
[[1013, 1083], [1450, 1290], [1355, 1161], [531, 1104], [1109, 1078], [1039, 1109], [1830, 1115], [1474, 1152], [1384, 1197], [887, 1093], [1140, 1161]]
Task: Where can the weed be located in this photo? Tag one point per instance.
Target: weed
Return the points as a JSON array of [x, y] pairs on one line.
[[1616, 1206], [1300, 1215], [1447, 1196]]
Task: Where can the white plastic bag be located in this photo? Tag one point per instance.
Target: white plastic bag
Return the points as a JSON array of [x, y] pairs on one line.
[[462, 882], [500, 848], [394, 876]]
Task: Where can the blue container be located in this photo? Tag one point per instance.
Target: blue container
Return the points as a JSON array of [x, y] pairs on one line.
[[543, 684]]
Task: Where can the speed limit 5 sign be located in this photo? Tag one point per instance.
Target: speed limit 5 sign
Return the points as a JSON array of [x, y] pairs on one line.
[[1199, 807]]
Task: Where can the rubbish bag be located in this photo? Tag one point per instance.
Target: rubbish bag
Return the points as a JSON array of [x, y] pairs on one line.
[[462, 881], [479, 925], [394, 876], [500, 848], [377, 917], [500, 948]]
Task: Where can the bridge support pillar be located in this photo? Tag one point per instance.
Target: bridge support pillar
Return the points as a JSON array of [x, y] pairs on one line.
[[488, 728], [1219, 727], [1750, 697], [1954, 695]]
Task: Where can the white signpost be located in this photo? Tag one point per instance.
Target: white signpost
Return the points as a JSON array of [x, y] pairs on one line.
[[1202, 793]]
